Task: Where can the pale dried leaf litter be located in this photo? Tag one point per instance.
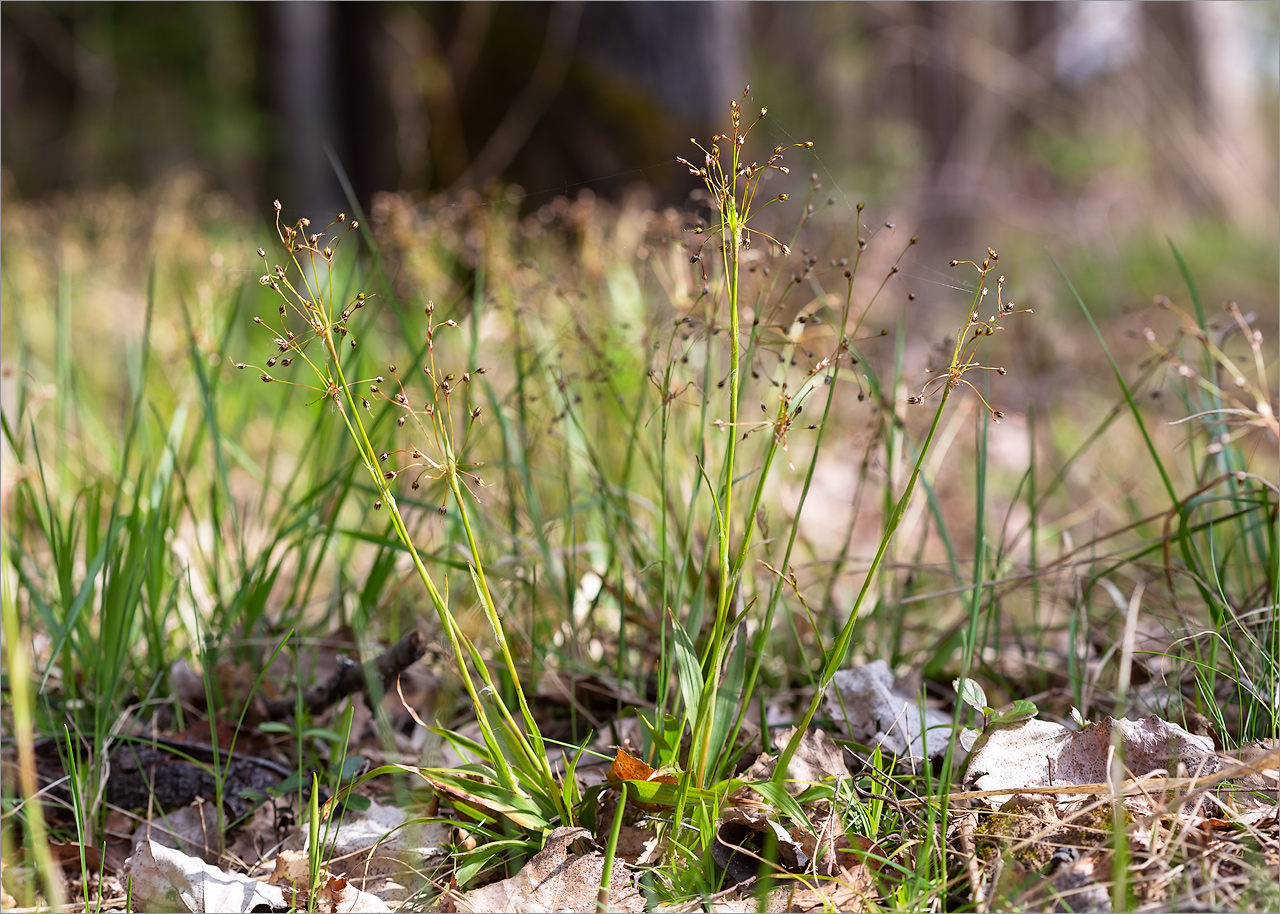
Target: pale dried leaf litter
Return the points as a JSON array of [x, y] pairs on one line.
[[554, 880], [382, 843], [817, 759], [831, 865], [877, 712], [336, 895], [374, 859], [164, 879], [1040, 753]]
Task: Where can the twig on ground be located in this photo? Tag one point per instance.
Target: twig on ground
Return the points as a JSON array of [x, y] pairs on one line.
[[350, 677]]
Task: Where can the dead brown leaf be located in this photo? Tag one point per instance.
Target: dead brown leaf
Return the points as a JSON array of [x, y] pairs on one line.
[[853, 889], [1039, 753], [554, 880]]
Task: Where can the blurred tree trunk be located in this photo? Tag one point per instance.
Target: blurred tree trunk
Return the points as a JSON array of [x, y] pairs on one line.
[[301, 72], [1204, 121], [1229, 98]]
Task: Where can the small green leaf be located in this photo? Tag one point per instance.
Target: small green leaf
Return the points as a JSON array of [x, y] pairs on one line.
[[329, 736], [1020, 711], [971, 694], [274, 726], [351, 767], [688, 670], [313, 828], [358, 802], [776, 794]]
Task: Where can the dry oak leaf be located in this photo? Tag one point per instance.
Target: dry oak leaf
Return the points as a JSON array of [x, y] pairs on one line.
[[554, 880], [626, 767]]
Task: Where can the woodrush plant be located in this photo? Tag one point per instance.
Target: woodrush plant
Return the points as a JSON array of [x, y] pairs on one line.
[[1224, 530], [972, 332], [712, 680], [312, 327], [734, 186]]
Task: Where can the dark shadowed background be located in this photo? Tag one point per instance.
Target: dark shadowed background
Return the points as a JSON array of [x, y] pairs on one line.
[[1078, 118]]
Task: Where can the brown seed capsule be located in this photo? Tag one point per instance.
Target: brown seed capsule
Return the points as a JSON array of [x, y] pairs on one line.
[[377, 505]]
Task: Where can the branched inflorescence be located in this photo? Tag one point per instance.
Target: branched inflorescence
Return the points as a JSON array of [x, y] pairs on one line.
[[1239, 404], [964, 357], [435, 420], [735, 201], [305, 302], [305, 315]]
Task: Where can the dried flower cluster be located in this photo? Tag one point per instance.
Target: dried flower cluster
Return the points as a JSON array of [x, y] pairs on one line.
[[964, 358]]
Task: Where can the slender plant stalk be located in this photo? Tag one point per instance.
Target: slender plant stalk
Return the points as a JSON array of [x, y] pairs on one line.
[[734, 192], [525, 741], [963, 361], [17, 649]]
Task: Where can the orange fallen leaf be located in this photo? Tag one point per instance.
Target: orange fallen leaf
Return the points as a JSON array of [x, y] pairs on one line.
[[626, 767]]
